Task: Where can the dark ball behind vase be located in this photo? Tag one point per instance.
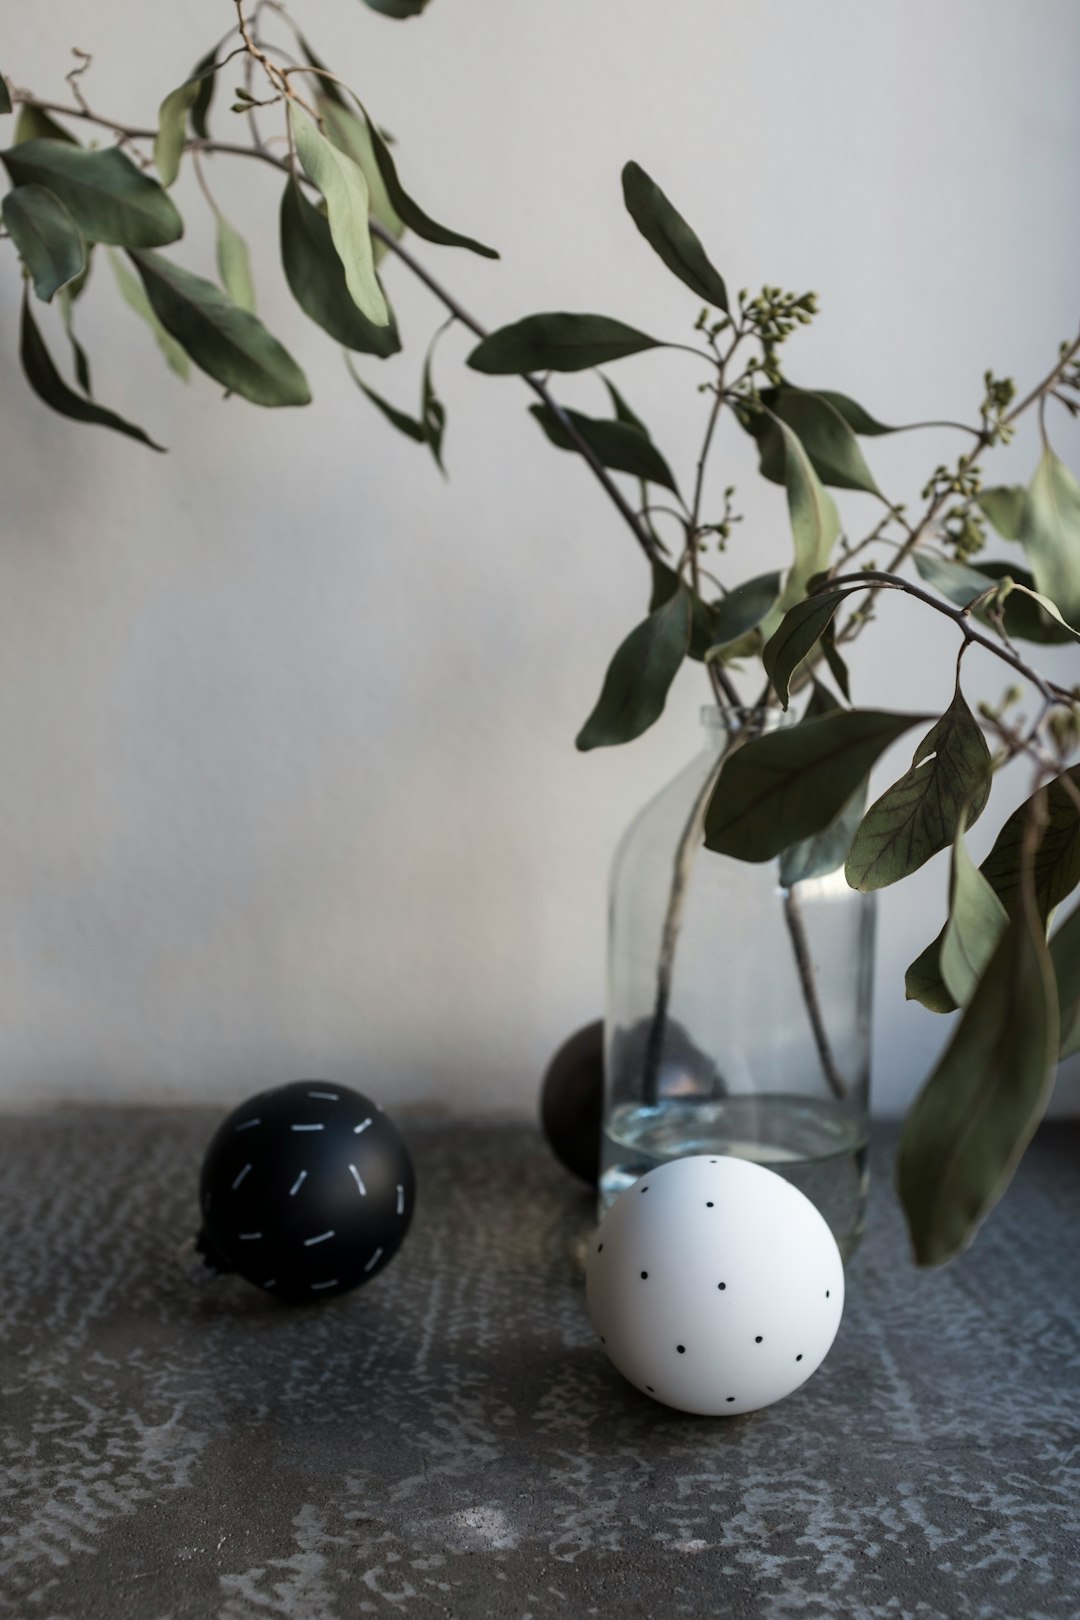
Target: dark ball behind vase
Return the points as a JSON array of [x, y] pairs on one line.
[[306, 1191], [572, 1102]]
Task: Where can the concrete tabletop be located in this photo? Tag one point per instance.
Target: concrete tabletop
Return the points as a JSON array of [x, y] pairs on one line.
[[451, 1442]]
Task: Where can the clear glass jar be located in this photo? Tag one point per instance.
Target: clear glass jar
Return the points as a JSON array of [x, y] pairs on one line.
[[739, 1004]]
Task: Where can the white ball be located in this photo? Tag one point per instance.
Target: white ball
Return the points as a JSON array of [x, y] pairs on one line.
[[715, 1285]]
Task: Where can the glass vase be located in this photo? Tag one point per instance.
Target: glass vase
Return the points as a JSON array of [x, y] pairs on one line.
[[739, 1002]]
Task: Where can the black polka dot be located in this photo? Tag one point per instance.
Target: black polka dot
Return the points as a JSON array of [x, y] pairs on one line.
[[826, 1293], [681, 1348], [650, 1389], [798, 1358], [602, 1339], [731, 1397], [709, 1204], [757, 1339], [721, 1286], [644, 1189], [600, 1248], [644, 1274], [713, 1161]]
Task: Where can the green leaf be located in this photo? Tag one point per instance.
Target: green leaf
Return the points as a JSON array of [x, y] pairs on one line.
[[837, 667], [131, 291], [743, 609], [636, 685], [827, 850], [665, 582], [50, 387], [404, 423], [66, 304], [342, 184], [316, 278], [1050, 534], [172, 127], [616, 445], [920, 814], [1056, 867], [557, 343], [34, 124], [234, 265], [1065, 957], [798, 633], [668, 234], [1045, 606], [815, 522], [1004, 507], [228, 343], [1056, 872], [400, 9], [46, 236], [979, 1108], [1025, 619], [955, 580], [204, 94], [977, 920], [353, 136], [432, 411], [825, 435], [410, 212], [111, 200], [5, 96], [858, 420], [787, 785], [623, 412]]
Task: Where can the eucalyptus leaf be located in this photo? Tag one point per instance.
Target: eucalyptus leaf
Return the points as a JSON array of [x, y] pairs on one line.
[[34, 124], [636, 685], [1004, 507], [668, 234], [409, 425], [1025, 619], [923, 981], [204, 94], [46, 236], [557, 343], [66, 304], [956, 581], [977, 920], [432, 412], [316, 278], [623, 411], [665, 582], [827, 850], [1050, 534], [1065, 957], [799, 631], [410, 212], [172, 127], [50, 387], [400, 9], [977, 1112], [919, 815], [353, 136], [234, 265], [815, 522], [228, 343], [781, 788], [828, 439], [616, 445], [5, 96], [833, 658], [1056, 865], [134, 296], [110, 199], [344, 189], [743, 609], [858, 420]]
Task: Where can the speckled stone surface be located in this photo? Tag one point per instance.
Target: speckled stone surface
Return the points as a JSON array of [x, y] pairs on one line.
[[450, 1441]]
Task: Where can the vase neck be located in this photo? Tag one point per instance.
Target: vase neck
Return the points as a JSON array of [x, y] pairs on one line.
[[722, 722]]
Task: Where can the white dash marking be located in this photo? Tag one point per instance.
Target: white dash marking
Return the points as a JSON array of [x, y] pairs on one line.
[[327, 1096], [400, 1199], [297, 1184], [331, 1284], [357, 1179], [248, 1123], [240, 1177], [322, 1237], [363, 1125], [246, 1237], [305, 1127], [373, 1260]]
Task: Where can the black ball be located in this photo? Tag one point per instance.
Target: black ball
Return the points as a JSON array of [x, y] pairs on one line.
[[572, 1102], [306, 1191]]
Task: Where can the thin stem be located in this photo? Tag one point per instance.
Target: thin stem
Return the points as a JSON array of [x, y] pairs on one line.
[[804, 965]]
